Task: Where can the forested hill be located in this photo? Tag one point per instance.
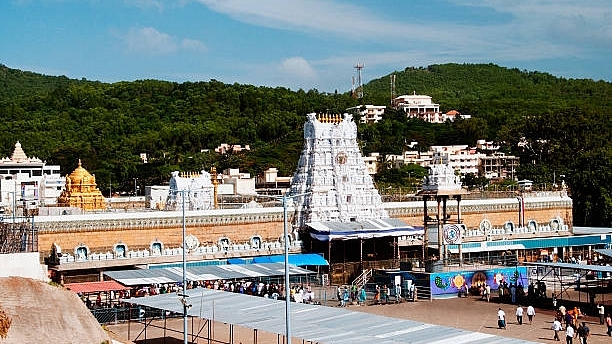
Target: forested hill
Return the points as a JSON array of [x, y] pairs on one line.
[[565, 124]]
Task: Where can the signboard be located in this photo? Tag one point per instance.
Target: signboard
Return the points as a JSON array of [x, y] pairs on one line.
[[452, 234]]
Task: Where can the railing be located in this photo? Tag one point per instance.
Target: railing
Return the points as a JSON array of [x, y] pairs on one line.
[[362, 279], [18, 235]]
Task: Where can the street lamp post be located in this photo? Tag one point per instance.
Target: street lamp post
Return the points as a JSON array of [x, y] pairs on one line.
[[183, 301], [285, 199], [287, 284]]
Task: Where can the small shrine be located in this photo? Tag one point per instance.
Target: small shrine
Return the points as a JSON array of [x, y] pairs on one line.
[[81, 191], [195, 191]]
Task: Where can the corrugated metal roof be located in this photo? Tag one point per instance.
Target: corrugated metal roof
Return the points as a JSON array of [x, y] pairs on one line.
[[314, 322], [601, 268], [203, 273], [94, 287], [366, 229]]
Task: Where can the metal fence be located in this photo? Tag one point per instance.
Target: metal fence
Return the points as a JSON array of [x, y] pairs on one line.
[[18, 235]]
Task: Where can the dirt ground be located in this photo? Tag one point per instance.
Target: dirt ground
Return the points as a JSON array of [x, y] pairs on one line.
[[470, 314], [41, 313]]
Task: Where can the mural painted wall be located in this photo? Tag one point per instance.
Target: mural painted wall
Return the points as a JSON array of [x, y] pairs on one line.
[[443, 283]]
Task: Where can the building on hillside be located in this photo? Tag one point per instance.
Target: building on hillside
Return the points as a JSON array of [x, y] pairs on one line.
[[225, 148], [461, 158], [498, 166], [371, 162], [335, 197], [422, 107], [368, 113], [28, 181], [82, 191], [488, 146]]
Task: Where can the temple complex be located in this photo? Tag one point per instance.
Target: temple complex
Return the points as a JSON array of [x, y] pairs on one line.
[[81, 191]]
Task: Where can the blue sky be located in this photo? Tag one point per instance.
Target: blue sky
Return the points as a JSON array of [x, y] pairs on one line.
[[307, 44]]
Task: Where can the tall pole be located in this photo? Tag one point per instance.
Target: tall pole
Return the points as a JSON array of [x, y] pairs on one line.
[[287, 291], [184, 274]]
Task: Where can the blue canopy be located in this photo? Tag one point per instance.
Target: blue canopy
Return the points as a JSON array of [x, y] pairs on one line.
[[236, 261], [303, 259]]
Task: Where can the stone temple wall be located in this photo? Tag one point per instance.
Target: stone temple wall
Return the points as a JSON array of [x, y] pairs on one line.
[[139, 230]]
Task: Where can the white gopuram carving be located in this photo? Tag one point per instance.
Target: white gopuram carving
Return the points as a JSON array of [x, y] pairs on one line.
[[198, 188], [332, 173], [441, 178]]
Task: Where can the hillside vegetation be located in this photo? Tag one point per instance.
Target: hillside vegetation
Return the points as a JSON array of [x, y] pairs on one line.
[[564, 124]]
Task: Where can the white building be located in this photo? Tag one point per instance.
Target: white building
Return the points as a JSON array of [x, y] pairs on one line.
[[463, 159], [241, 182], [28, 181], [460, 158], [422, 107], [368, 113]]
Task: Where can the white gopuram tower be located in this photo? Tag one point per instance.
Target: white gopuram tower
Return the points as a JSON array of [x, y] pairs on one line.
[[198, 189], [332, 173]]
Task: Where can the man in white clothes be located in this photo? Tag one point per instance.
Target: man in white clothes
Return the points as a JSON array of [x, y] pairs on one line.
[[569, 334], [556, 327], [530, 313], [519, 315], [501, 318]]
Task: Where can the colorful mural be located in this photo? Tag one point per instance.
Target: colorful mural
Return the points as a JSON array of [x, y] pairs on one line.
[[442, 283]]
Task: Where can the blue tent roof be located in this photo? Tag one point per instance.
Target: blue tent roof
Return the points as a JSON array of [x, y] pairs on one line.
[[236, 261], [303, 259]]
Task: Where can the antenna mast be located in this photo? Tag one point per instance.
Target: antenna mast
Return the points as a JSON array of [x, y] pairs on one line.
[[359, 91], [392, 88]]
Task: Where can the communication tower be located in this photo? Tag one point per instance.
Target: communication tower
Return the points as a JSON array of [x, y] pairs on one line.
[[358, 92], [392, 88]]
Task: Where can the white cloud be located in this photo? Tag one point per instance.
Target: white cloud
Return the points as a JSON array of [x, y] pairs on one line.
[[192, 44], [311, 16], [297, 67], [149, 40], [146, 4]]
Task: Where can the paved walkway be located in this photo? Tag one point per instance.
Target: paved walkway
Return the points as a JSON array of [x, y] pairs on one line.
[[478, 315], [470, 314]]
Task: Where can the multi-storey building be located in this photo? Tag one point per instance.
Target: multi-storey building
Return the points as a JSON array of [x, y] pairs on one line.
[[460, 158], [498, 166], [463, 159], [421, 107], [368, 113], [28, 181]]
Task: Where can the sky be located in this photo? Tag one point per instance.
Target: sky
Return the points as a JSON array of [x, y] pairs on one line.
[[301, 44]]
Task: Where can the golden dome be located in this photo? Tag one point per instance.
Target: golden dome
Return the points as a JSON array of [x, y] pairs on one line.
[[81, 191], [81, 176]]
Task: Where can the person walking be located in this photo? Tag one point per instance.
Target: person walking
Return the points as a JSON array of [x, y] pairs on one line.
[[570, 333], [501, 319], [362, 296], [583, 332], [609, 324], [530, 313], [556, 327], [488, 292], [519, 315]]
